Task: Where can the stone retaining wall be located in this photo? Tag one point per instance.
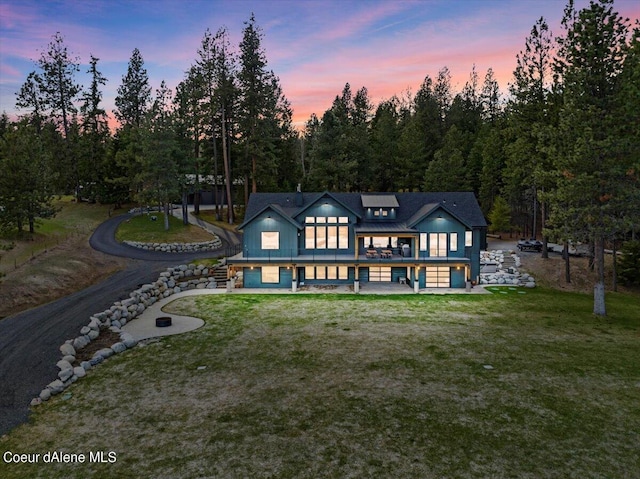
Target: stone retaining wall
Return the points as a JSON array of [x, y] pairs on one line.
[[504, 274], [212, 245], [172, 280]]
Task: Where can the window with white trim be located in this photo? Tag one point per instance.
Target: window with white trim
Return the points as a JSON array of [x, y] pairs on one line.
[[270, 240]]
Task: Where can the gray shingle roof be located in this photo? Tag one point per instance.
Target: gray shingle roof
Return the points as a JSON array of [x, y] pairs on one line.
[[461, 204]]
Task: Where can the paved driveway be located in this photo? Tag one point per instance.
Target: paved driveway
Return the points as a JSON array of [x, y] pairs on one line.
[[30, 341]]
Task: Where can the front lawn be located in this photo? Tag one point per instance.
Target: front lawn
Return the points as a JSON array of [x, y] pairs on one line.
[[304, 386]]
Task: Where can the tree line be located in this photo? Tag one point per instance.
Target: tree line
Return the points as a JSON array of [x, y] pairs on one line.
[[227, 124], [557, 156]]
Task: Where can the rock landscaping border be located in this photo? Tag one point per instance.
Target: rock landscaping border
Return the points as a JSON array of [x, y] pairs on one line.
[[212, 245], [171, 281], [506, 274]]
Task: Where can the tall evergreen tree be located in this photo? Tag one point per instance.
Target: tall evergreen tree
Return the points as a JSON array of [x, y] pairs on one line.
[[95, 136], [134, 93], [591, 193], [26, 192], [162, 163], [257, 92], [218, 68], [57, 82], [533, 115]]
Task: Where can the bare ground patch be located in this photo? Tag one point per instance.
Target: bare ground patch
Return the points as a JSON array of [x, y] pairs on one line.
[[68, 267]]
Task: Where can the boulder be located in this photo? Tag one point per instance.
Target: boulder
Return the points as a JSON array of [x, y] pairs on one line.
[[81, 341], [104, 353], [56, 387], [62, 365], [79, 371], [65, 374], [118, 347], [67, 350], [45, 394]]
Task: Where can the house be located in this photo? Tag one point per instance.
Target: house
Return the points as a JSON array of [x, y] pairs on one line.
[[426, 240]]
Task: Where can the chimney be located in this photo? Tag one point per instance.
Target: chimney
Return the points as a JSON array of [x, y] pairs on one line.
[[299, 200]]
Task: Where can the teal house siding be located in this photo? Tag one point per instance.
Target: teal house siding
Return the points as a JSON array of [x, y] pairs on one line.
[[325, 207], [252, 278], [457, 278], [270, 221], [296, 231]]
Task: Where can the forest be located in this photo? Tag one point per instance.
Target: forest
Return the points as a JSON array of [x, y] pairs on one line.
[[555, 155]]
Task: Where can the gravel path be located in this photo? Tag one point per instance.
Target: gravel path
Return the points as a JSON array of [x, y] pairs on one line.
[[30, 341]]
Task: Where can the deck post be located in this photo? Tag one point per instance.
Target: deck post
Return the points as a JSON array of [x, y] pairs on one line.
[[416, 280], [294, 279]]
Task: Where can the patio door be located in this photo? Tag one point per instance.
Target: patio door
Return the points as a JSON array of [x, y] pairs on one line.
[[379, 274]]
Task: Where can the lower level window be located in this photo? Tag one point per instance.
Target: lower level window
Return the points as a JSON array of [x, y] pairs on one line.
[[270, 274], [379, 273], [438, 277], [326, 272]]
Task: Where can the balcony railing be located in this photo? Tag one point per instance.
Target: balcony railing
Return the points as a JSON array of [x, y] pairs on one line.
[[294, 256]]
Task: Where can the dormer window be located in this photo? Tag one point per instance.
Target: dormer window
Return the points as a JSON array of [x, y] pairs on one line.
[[380, 206]]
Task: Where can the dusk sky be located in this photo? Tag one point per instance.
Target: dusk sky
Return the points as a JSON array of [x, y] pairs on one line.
[[313, 46]]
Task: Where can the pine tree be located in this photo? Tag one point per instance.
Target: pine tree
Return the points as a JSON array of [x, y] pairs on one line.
[[217, 65], [134, 93], [95, 136], [592, 188]]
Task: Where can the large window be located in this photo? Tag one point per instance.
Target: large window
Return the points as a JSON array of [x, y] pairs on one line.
[[438, 277], [270, 240], [326, 272], [437, 244], [270, 274], [379, 273], [324, 233]]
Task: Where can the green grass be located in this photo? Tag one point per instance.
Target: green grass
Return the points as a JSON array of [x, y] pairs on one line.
[[209, 215], [142, 228], [517, 385]]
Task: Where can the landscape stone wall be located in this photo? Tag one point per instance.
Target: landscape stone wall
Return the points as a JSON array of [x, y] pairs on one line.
[[212, 245], [171, 281], [507, 271]]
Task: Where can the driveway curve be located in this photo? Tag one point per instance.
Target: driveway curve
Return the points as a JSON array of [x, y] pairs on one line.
[[30, 340]]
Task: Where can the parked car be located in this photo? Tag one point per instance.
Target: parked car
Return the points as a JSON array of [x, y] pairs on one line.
[[529, 245]]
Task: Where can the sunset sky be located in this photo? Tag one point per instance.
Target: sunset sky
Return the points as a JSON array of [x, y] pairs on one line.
[[314, 46]]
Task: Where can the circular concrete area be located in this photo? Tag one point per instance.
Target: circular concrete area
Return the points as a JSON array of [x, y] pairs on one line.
[[144, 326]]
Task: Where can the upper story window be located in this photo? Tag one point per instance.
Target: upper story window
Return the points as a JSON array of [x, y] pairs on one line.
[[453, 241], [270, 240], [468, 238], [437, 244], [329, 232]]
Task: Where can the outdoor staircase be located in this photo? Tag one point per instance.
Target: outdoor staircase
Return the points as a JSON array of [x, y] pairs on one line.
[[220, 275], [509, 262]]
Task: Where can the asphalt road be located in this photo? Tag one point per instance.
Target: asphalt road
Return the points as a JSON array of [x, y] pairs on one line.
[[30, 341]]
